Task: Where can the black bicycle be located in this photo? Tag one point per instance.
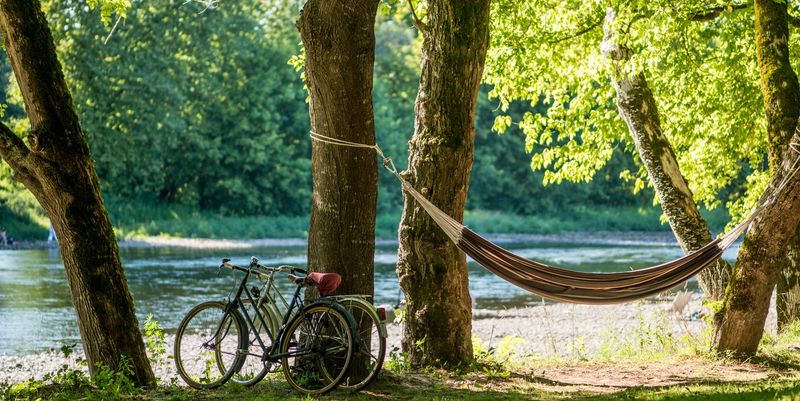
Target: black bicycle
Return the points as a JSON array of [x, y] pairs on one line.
[[313, 345]]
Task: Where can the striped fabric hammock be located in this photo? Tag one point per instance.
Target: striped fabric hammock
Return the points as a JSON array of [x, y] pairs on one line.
[[562, 284]]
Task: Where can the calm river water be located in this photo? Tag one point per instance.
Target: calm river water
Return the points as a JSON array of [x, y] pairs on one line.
[[36, 312]]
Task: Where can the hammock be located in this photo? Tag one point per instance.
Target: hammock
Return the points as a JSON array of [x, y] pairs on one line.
[[562, 284]]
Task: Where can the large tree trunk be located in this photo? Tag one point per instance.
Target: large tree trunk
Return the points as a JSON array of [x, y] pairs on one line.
[[764, 253], [788, 288], [638, 108], [339, 41], [761, 258], [58, 170], [432, 271], [781, 93]]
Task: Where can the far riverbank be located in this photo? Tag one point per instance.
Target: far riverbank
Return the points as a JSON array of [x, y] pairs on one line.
[[665, 238]]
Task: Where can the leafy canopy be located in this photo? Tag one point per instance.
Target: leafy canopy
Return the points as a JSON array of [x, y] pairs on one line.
[[698, 58]]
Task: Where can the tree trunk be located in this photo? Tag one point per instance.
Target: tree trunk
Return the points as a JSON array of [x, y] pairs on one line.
[[764, 254], [788, 297], [339, 41], [638, 108], [58, 170], [781, 93], [432, 271], [761, 258]]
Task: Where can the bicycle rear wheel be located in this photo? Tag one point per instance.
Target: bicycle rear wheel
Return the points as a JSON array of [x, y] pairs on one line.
[[208, 345], [370, 348], [319, 345]]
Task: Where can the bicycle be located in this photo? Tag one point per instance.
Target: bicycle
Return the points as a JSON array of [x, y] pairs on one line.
[[370, 349], [314, 343]]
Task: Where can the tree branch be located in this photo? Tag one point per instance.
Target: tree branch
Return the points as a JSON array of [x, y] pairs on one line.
[[417, 22], [715, 12], [13, 149], [578, 33]]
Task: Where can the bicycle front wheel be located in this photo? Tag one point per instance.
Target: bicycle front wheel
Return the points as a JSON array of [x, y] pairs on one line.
[[370, 347], [209, 344], [317, 347]]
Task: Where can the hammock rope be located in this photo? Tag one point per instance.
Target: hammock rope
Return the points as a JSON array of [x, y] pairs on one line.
[[567, 285]]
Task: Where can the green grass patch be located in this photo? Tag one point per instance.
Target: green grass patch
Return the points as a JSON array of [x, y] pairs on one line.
[[21, 216], [577, 219], [498, 373], [420, 385], [131, 219]]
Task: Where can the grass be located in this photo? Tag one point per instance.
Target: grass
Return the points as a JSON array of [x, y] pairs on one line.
[[441, 385], [21, 216], [23, 219], [131, 220], [134, 219], [497, 374]]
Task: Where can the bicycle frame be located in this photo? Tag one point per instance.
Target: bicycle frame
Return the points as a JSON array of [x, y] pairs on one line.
[[269, 303]]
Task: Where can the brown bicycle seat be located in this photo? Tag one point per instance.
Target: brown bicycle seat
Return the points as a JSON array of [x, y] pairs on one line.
[[326, 282]]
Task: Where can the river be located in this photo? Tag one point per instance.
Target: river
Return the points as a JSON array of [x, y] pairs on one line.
[[36, 313]]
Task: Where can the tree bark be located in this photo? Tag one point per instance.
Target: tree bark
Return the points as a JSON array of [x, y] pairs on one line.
[[432, 271], [788, 288], [761, 258], [764, 254], [781, 93], [57, 168], [638, 108], [339, 41]]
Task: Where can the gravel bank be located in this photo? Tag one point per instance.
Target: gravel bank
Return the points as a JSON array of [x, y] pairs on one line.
[[551, 330]]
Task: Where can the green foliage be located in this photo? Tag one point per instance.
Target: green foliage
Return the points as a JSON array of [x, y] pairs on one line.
[[72, 384], [20, 214], [782, 350], [155, 341], [193, 109], [651, 340], [397, 362], [150, 219], [702, 73], [112, 383], [68, 349], [109, 7], [496, 362], [198, 126]]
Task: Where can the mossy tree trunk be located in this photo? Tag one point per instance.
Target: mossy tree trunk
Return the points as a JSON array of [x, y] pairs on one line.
[[432, 271], [781, 93], [788, 287], [637, 107], [763, 255], [339, 41], [57, 168]]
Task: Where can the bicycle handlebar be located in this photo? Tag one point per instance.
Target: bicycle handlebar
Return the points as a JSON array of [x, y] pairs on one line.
[[260, 270]]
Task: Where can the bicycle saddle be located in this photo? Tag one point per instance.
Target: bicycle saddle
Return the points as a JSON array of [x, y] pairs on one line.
[[326, 282]]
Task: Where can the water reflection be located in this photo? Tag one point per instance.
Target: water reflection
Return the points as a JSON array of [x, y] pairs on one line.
[[36, 311]]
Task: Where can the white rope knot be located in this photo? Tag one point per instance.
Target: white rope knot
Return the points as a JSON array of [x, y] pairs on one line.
[[387, 161]]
